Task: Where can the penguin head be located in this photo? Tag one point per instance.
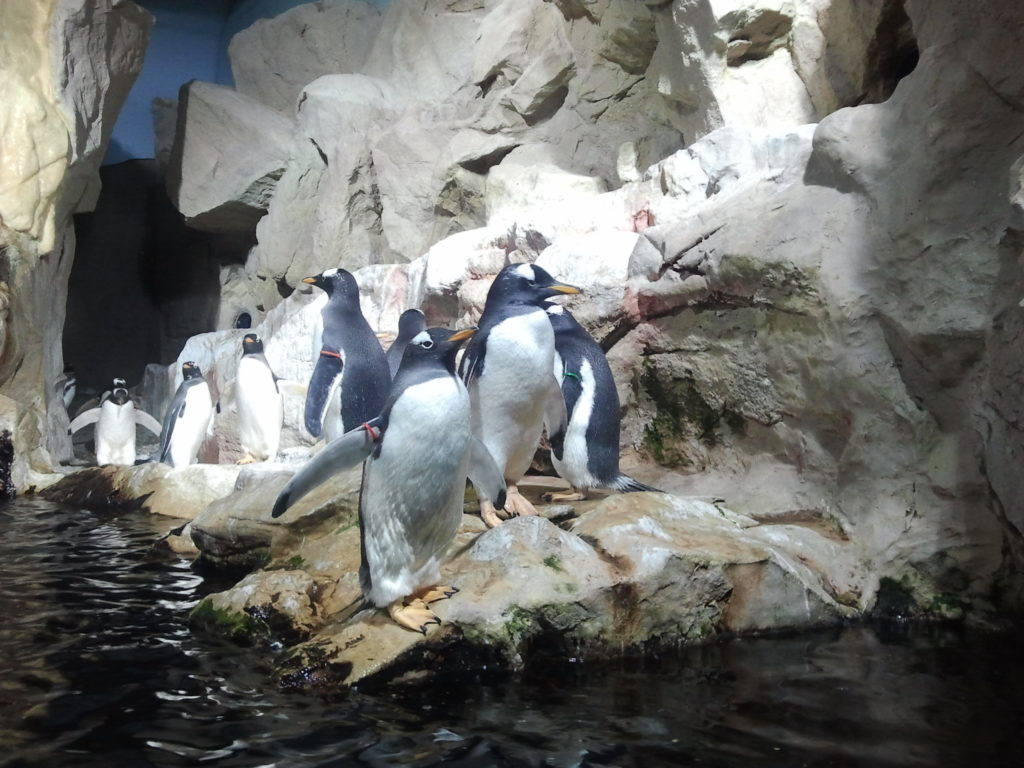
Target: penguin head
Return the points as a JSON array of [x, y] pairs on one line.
[[527, 284], [411, 323], [435, 344], [251, 344], [119, 393], [336, 282], [190, 370]]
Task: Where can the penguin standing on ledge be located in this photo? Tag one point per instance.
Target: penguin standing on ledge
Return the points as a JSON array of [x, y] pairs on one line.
[[258, 398], [115, 420], [188, 420], [508, 369], [590, 452], [421, 450], [349, 353], [411, 322]]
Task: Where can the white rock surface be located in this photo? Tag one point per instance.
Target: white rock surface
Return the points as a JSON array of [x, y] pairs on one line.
[[229, 151]]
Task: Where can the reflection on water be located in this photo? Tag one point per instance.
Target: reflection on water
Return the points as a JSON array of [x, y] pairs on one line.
[[98, 668]]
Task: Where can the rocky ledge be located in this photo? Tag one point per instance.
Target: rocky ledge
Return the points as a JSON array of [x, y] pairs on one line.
[[607, 577]]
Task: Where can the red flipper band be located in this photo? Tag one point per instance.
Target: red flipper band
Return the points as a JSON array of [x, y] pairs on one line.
[[374, 434]]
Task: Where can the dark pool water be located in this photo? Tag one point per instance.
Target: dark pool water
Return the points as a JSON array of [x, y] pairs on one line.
[[98, 668]]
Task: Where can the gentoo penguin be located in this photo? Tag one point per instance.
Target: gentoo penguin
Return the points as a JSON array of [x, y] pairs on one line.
[[115, 420], [411, 322], [258, 398], [508, 369], [349, 352], [188, 420], [68, 384], [420, 451], [590, 449]]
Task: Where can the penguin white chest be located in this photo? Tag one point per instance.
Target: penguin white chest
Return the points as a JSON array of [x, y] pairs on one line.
[[192, 425], [413, 490], [115, 434], [509, 395], [259, 409], [575, 454]]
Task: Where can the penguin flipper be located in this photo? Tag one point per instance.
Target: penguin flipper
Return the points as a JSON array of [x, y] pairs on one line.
[[485, 474], [143, 419], [85, 419], [555, 417], [341, 454], [321, 385]]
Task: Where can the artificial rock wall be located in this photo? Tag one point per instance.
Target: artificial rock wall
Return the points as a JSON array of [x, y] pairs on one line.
[[797, 221], [67, 65]]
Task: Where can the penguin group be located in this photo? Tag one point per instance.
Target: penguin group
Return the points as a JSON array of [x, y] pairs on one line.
[[421, 421], [528, 367]]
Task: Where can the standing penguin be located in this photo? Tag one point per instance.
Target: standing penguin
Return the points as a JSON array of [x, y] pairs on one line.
[[258, 397], [420, 451], [115, 420], [68, 385], [188, 420], [508, 369], [411, 323], [590, 452], [349, 352]]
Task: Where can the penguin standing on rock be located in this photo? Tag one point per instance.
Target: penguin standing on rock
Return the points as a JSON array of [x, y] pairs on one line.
[[115, 420], [350, 353], [411, 323], [590, 452], [508, 369], [188, 420], [420, 451], [258, 398]]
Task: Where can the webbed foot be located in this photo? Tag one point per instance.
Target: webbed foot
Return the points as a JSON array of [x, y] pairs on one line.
[[412, 613]]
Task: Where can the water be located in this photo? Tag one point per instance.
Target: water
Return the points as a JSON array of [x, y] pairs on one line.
[[98, 668]]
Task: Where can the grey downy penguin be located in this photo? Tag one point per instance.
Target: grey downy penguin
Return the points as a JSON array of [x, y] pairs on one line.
[[508, 369], [419, 452], [116, 419], [188, 420], [411, 323], [350, 358], [590, 450], [258, 398]]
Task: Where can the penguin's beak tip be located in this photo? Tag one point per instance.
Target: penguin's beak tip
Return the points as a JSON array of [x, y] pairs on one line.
[[462, 335], [566, 289], [310, 280]]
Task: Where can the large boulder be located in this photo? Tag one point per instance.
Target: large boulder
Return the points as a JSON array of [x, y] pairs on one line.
[[229, 151]]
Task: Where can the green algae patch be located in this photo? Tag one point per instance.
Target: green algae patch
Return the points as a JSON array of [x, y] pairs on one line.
[[239, 627]]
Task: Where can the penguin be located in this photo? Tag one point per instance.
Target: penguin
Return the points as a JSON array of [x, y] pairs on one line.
[[115, 420], [418, 451], [508, 367], [68, 384], [189, 419], [350, 352], [590, 450], [258, 397], [411, 322]]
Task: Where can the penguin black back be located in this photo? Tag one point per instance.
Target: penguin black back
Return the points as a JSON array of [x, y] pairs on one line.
[[350, 350]]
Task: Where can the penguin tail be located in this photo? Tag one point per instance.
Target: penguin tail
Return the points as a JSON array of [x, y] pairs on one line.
[[626, 484]]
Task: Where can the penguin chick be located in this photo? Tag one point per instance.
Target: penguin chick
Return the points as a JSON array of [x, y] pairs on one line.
[[189, 419], [115, 420], [419, 452], [508, 369], [590, 453], [349, 354], [258, 398], [411, 323]]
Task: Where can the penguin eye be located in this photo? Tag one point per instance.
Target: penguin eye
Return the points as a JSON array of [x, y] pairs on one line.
[[428, 344]]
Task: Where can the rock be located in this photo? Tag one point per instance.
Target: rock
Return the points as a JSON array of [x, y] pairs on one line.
[[229, 151], [275, 58], [155, 488], [67, 68]]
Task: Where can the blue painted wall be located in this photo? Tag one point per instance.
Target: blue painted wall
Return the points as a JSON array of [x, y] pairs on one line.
[[189, 41]]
